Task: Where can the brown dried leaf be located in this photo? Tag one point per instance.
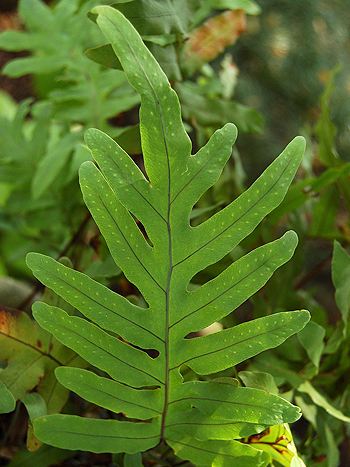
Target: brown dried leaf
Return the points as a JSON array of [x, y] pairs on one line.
[[211, 38]]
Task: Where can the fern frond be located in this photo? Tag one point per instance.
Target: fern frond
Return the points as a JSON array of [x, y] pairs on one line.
[[200, 420]]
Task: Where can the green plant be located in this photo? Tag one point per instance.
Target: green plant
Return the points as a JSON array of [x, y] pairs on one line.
[[41, 145], [143, 349]]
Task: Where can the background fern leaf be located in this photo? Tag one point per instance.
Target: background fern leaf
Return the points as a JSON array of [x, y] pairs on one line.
[[161, 264]]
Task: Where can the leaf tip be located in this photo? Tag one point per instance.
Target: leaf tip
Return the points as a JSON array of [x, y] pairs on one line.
[[60, 372], [231, 127], [85, 168], [299, 144], [31, 259], [103, 9], [292, 237], [38, 311], [337, 248], [90, 134], [95, 11], [305, 317], [292, 414]]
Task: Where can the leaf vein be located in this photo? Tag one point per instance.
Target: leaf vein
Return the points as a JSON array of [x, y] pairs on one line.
[[110, 353], [221, 294], [131, 249], [225, 347], [140, 193], [111, 310], [237, 220]]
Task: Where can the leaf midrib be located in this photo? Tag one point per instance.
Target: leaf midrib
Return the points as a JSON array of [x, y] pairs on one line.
[[100, 435], [239, 403], [118, 398], [170, 253], [221, 294], [255, 336], [206, 450]]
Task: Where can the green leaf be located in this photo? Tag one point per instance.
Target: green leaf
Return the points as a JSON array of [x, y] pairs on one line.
[[130, 140], [211, 111], [341, 281], [118, 359], [33, 65], [165, 55], [306, 189], [163, 40], [203, 427], [102, 391], [18, 40], [8, 106], [259, 380], [36, 407], [36, 13], [99, 304], [102, 269], [308, 410], [104, 55], [321, 401], [324, 214], [223, 402], [151, 17], [218, 453], [52, 164], [325, 128], [312, 339], [218, 351], [333, 455], [7, 401], [167, 58], [278, 368], [97, 435], [31, 356], [142, 350]]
